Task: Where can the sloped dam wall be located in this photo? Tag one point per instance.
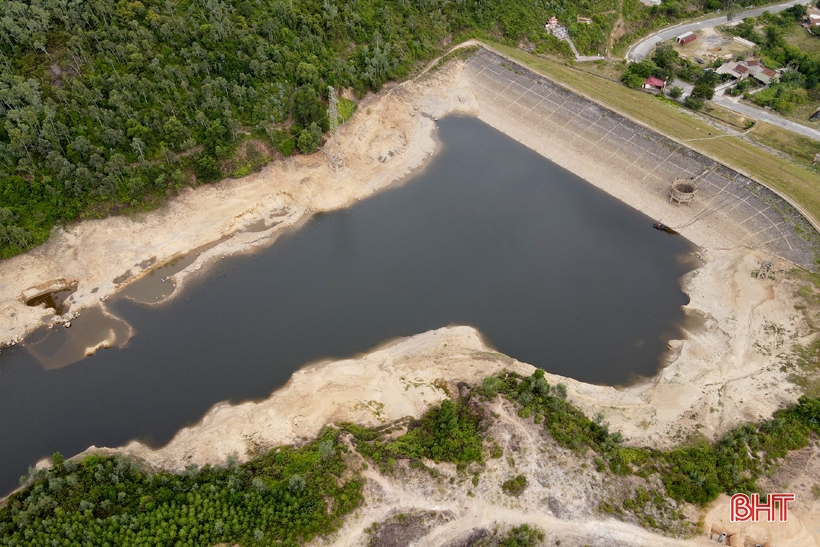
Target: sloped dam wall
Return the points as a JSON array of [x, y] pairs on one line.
[[636, 164]]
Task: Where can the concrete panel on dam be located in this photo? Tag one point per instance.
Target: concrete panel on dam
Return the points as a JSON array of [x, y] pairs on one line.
[[637, 165]]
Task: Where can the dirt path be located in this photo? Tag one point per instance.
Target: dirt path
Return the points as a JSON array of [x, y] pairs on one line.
[[618, 27]]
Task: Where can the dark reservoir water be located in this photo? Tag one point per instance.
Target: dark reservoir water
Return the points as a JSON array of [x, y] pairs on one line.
[[550, 269]]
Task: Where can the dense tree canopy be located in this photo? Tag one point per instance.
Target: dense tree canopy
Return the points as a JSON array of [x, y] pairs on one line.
[[104, 104], [284, 497]]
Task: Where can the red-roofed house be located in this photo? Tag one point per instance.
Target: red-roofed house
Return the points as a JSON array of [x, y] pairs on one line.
[[765, 76], [654, 83]]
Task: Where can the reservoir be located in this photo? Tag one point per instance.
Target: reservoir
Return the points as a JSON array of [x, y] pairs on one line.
[[551, 270]]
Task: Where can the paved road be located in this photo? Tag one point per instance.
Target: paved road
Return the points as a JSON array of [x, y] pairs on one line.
[[766, 116], [640, 50]]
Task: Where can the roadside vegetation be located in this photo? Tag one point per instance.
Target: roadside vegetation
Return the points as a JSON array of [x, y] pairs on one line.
[[771, 32], [666, 64]]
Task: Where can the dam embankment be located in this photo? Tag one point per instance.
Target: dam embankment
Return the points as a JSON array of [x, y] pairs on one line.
[[635, 164]]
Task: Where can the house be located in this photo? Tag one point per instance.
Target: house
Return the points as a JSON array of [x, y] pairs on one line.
[[738, 71], [584, 20], [764, 76], [760, 72], [654, 83], [553, 27], [744, 69], [686, 37]]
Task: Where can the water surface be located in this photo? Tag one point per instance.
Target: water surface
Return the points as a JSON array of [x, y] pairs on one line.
[[550, 269]]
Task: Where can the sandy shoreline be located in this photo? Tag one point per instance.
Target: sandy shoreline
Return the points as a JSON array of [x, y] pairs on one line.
[[729, 371], [382, 144]]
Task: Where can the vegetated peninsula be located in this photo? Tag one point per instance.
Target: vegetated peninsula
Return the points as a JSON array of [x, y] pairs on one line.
[[108, 107], [508, 461]]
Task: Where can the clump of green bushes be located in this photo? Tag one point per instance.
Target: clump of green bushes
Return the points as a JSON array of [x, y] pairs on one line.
[[569, 426], [449, 432], [515, 486], [522, 536]]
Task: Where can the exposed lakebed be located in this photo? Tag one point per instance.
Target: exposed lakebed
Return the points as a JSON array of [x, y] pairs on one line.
[[553, 271]]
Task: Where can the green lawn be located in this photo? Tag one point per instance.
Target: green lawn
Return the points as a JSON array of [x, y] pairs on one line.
[[800, 38]]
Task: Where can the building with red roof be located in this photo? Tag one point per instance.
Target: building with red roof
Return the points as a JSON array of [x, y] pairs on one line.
[[653, 83]]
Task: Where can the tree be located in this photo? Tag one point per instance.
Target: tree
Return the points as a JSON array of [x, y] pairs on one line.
[[797, 11], [207, 169], [296, 483], [633, 80], [733, 11], [693, 103], [307, 108], [310, 139], [307, 74], [703, 90], [174, 133], [665, 56], [675, 92]]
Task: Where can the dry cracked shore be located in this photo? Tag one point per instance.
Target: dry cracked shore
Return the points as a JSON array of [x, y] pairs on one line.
[[730, 370]]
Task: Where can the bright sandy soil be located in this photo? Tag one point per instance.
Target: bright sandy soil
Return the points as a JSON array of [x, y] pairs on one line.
[[726, 372]]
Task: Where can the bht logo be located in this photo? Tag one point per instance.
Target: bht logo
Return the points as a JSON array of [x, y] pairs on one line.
[[745, 508]]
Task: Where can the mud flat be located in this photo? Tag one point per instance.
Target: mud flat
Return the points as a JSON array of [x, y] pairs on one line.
[[729, 371]]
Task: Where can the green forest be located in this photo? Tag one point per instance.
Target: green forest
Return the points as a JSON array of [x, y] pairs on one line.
[[284, 497], [108, 107]]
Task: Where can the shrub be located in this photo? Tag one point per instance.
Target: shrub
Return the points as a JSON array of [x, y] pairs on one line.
[[522, 536], [447, 432], [675, 92], [515, 486]]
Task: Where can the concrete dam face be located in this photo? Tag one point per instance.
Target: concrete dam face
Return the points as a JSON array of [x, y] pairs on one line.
[[637, 165]]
